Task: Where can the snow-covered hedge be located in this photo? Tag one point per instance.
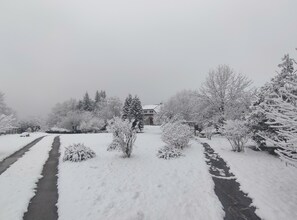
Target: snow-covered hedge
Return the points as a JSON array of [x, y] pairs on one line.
[[176, 134], [77, 153], [237, 134], [124, 136], [168, 153]]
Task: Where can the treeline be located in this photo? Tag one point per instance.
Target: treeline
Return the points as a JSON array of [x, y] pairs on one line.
[[85, 115], [92, 115]]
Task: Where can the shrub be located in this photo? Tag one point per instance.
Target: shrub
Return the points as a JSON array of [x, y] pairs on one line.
[[237, 134], [77, 153], [168, 153], [124, 136], [176, 134], [209, 131]]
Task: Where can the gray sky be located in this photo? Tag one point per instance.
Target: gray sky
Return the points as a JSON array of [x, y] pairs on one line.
[[53, 50]]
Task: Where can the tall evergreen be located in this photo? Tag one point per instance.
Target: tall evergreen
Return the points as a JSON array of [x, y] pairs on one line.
[[87, 104], [127, 108], [258, 119], [97, 97], [137, 112]]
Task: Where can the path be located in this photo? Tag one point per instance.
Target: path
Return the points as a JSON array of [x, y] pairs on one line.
[[43, 204], [7, 162], [237, 205]]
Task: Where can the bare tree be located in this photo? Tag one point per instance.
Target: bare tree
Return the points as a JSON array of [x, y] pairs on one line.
[[225, 94]]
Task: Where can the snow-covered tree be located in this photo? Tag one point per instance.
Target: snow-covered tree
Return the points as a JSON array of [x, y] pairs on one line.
[[237, 134], [225, 95], [127, 114], [7, 122], [109, 109], [60, 111], [71, 121], [137, 113], [32, 123], [176, 134], [183, 105], [257, 119], [87, 103], [282, 115], [124, 135]]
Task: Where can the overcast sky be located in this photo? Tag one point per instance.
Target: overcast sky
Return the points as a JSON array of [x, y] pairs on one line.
[[52, 50]]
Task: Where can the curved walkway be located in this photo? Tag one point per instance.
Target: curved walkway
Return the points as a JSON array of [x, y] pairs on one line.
[[236, 203]]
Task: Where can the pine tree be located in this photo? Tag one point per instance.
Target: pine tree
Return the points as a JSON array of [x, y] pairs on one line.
[[258, 119], [87, 103], [97, 97], [127, 108], [137, 112]]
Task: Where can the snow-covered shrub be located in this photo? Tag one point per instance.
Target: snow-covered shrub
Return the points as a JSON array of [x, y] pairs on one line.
[[176, 134], [77, 153], [237, 134], [209, 131], [124, 136], [168, 153]]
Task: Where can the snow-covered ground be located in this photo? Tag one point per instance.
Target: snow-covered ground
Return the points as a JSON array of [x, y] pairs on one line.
[[268, 181], [13, 142], [17, 183], [142, 187]]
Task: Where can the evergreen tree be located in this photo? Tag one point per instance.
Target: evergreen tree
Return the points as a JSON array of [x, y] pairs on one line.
[[137, 112], [87, 104], [97, 97], [127, 108], [258, 120]]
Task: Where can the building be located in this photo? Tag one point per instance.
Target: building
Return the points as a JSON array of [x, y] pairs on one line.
[[149, 113]]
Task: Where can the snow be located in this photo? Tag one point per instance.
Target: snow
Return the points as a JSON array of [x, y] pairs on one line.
[[152, 107], [18, 181], [13, 142], [267, 180], [141, 187]]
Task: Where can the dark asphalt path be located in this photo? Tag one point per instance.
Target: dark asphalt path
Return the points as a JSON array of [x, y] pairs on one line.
[[43, 205], [8, 161], [237, 205]]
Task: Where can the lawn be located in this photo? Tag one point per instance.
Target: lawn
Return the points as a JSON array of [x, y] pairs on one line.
[[141, 187]]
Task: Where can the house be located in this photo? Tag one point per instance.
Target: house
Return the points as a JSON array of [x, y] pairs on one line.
[[149, 113]]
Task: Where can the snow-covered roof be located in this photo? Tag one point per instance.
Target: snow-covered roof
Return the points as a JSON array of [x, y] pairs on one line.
[[152, 107]]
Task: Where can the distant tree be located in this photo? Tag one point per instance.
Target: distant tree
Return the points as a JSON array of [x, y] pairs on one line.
[[7, 122], [4, 109], [137, 113], [225, 95], [109, 109], [184, 106], [60, 111], [97, 97], [87, 103], [127, 114]]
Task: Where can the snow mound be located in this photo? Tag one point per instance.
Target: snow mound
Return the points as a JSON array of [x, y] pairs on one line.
[[168, 153], [78, 152]]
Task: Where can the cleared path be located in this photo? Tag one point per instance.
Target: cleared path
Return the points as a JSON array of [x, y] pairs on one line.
[[236, 203], [7, 162], [43, 204]]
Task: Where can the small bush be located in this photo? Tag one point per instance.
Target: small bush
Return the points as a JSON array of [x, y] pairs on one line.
[[124, 136], [176, 134], [169, 153], [77, 153], [237, 134]]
